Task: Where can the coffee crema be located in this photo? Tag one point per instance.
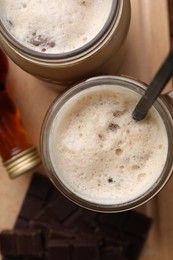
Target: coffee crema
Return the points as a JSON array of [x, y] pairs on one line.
[[53, 26], [100, 153]]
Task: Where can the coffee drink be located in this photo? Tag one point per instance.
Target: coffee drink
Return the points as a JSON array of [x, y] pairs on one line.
[[64, 41], [68, 25], [100, 153]]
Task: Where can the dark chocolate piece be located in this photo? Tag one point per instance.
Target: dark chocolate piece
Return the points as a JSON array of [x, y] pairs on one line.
[[131, 223], [63, 208], [21, 243], [53, 232], [113, 253], [52, 195], [57, 211], [82, 219], [85, 250], [59, 250], [40, 186], [35, 199], [30, 207], [60, 233], [8, 244], [21, 223], [114, 220]]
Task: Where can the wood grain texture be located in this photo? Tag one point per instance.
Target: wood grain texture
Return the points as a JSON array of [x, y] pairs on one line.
[[148, 42], [147, 45], [170, 8]]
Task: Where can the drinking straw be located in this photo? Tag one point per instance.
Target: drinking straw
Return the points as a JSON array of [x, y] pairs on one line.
[[155, 88]]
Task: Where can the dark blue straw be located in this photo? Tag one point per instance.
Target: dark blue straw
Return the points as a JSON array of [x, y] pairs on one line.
[[154, 89]]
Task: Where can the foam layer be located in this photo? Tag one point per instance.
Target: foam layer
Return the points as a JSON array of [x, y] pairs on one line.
[[101, 153], [54, 26]]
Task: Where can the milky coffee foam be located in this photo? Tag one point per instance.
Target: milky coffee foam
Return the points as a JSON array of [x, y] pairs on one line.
[[54, 26], [100, 152]]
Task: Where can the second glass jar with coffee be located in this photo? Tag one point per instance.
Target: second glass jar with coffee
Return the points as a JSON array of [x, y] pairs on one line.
[[90, 34]]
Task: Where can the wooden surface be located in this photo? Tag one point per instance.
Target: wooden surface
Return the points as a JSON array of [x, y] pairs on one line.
[[147, 45], [170, 8]]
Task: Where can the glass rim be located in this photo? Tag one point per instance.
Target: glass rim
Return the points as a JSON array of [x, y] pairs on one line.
[[112, 21], [160, 107]]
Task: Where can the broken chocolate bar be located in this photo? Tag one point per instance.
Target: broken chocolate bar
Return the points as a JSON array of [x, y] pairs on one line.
[[56, 228], [21, 242]]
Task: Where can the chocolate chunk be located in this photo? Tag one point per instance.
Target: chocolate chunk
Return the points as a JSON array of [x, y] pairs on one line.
[[57, 211], [40, 186], [85, 250], [39, 190], [113, 253], [84, 219], [58, 250], [64, 208], [52, 195], [31, 207], [128, 229], [21, 243], [21, 223], [131, 222], [52, 232], [114, 220], [8, 244], [60, 233]]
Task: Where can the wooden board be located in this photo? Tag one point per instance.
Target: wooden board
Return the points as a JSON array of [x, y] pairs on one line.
[[147, 45]]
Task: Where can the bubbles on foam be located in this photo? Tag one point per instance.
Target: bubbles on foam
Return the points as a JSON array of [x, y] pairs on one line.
[[104, 155]]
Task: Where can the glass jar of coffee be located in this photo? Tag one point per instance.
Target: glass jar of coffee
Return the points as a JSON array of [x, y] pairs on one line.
[[64, 41], [97, 155]]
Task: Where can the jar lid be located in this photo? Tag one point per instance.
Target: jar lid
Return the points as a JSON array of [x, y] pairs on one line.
[[22, 162]]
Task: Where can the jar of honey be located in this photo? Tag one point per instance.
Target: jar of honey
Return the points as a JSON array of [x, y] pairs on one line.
[[17, 152]]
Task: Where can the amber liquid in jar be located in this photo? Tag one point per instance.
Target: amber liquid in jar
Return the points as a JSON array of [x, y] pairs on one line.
[[15, 148], [13, 139]]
